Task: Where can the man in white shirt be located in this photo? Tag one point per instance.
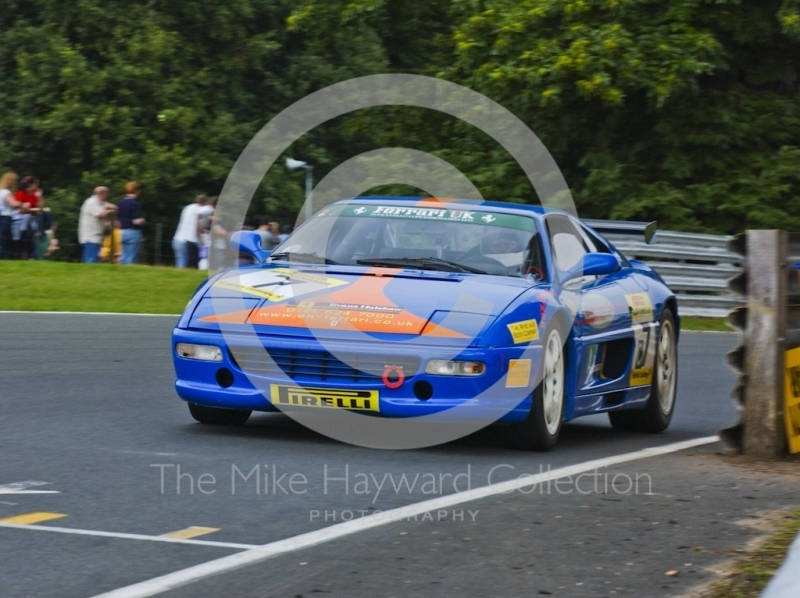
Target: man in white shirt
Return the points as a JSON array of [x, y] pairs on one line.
[[92, 225], [185, 243]]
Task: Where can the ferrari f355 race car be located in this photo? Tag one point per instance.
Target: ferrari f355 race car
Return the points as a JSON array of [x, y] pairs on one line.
[[403, 307]]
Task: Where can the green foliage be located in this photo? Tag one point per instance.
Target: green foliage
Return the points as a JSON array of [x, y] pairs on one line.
[[680, 110], [163, 92], [685, 111]]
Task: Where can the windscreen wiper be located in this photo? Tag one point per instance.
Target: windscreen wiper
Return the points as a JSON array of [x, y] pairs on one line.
[[425, 263], [311, 258]]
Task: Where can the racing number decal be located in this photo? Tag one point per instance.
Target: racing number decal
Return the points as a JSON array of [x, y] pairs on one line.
[[644, 354]]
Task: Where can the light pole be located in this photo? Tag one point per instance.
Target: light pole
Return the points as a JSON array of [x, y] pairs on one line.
[[292, 164]]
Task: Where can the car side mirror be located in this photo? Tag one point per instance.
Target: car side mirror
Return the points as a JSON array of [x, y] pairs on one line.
[[593, 264], [248, 241]]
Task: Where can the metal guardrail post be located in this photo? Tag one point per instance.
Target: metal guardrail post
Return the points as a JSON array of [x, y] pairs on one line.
[[760, 358], [737, 318]]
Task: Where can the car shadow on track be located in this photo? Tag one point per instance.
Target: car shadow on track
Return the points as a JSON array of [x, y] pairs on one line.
[[494, 438]]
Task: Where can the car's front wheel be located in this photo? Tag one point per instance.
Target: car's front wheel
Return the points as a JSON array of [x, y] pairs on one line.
[[541, 429], [219, 417], [657, 414]]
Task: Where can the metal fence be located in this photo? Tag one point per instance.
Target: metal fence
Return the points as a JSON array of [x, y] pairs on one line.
[[697, 267]]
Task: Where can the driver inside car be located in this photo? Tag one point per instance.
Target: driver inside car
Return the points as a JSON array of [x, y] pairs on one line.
[[516, 250]]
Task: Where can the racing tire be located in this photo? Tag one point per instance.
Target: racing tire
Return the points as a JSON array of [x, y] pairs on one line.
[[657, 414], [219, 417], [541, 429]]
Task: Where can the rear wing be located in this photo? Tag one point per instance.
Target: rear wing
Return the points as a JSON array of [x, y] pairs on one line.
[[621, 227]]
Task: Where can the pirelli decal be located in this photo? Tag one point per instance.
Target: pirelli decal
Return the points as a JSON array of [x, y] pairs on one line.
[[325, 398]]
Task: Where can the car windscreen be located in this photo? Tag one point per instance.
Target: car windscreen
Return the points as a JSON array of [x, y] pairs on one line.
[[355, 234]]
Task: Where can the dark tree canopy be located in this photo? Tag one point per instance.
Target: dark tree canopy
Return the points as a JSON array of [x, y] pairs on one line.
[[685, 111]]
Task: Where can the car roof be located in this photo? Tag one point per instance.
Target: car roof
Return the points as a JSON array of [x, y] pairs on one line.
[[430, 202]]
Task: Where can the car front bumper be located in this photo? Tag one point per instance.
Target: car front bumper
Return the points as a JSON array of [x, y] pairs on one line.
[[494, 395]]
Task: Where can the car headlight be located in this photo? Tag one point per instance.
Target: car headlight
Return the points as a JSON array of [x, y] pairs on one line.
[[443, 367], [199, 352]]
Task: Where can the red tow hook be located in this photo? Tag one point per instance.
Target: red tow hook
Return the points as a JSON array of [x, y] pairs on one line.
[[396, 372]]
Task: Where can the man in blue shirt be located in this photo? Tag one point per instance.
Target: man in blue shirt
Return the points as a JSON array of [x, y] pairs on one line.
[[129, 216]]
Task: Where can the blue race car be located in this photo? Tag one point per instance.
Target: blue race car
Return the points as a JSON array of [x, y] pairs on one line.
[[404, 307]]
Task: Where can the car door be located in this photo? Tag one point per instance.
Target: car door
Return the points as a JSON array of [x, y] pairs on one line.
[[602, 326], [635, 315]]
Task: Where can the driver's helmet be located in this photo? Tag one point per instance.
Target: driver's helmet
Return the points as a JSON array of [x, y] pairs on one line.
[[503, 241]]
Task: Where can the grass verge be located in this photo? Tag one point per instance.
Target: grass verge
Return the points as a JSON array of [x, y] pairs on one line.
[[752, 574], [707, 324], [59, 286]]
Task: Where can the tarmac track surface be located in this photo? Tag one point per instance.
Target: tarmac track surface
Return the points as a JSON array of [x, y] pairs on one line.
[[87, 405]]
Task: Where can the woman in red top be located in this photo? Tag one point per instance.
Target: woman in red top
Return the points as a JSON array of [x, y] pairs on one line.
[[29, 196]]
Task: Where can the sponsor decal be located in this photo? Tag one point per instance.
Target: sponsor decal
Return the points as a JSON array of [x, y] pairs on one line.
[[644, 354], [362, 306], [430, 211], [325, 398], [278, 284], [385, 309], [640, 307], [598, 311], [301, 315], [524, 332], [519, 373], [264, 293], [792, 399], [293, 275]]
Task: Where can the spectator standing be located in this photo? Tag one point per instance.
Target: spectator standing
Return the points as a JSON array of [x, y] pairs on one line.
[[8, 210], [186, 242], [286, 232], [268, 230], [29, 197], [204, 226], [129, 216], [46, 242], [92, 225]]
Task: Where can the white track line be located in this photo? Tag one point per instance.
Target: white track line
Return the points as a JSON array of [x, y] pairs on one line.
[[89, 532], [89, 313], [177, 579]]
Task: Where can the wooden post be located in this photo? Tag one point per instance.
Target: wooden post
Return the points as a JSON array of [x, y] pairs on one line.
[[764, 354]]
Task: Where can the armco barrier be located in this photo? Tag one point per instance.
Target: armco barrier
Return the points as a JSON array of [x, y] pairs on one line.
[[697, 267]]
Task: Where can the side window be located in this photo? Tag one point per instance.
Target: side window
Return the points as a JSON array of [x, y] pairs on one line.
[[591, 245], [601, 245], [568, 247]]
